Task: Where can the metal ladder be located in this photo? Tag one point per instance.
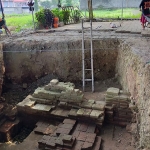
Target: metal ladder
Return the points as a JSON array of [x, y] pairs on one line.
[[91, 69]]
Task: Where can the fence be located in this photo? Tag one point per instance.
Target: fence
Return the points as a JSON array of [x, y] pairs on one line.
[[113, 8]]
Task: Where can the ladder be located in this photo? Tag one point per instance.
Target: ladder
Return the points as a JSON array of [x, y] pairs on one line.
[[91, 69]]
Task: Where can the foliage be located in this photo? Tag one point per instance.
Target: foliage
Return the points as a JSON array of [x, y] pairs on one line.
[[76, 16], [24, 21], [66, 15], [40, 16], [58, 13]]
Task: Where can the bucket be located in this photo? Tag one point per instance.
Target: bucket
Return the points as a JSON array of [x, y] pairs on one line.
[[55, 22]]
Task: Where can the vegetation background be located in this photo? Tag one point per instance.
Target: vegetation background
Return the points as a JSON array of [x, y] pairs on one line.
[[24, 21]]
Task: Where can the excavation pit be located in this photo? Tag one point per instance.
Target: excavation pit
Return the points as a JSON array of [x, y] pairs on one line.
[[116, 61]]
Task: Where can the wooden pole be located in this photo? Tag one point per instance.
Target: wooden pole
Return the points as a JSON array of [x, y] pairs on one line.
[[90, 9]]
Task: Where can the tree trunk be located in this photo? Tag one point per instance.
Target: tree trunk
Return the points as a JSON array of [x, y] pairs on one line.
[[90, 9]]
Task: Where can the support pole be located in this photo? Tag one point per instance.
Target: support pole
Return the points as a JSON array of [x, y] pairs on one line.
[[92, 68], [2, 9], [90, 9], [83, 58], [122, 11], [33, 17]]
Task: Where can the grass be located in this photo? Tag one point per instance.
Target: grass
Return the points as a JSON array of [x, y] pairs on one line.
[[24, 21], [128, 13]]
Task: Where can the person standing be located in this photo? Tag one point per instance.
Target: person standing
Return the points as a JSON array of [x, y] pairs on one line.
[[145, 12]]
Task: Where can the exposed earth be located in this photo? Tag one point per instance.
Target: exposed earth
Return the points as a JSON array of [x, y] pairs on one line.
[[114, 137]]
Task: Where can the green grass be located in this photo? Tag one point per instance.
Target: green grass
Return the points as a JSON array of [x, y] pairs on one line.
[[116, 13], [24, 21]]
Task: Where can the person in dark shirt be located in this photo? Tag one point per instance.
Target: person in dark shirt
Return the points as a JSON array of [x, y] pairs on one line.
[[145, 12], [3, 25]]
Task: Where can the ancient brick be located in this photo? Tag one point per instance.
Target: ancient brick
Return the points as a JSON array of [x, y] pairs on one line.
[[73, 113], [83, 127], [96, 114], [69, 121], [87, 146], [42, 107], [76, 134], [98, 106], [66, 126], [62, 131], [78, 145], [91, 128], [87, 112], [90, 137], [82, 136], [112, 91], [97, 143], [80, 112]]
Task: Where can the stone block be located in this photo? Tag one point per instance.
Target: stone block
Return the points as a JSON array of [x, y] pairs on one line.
[[29, 104], [78, 145], [76, 134], [80, 112], [90, 137], [91, 128], [66, 138], [112, 91], [98, 107], [66, 126], [87, 112], [95, 114], [97, 143], [69, 144], [82, 136], [92, 101], [73, 113], [62, 131], [54, 81], [42, 107], [69, 121], [87, 146], [83, 127], [86, 104], [50, 129]]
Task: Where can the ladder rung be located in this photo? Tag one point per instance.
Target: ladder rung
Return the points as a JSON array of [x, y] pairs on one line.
[[87, 59], [88, 80], [88, 69], [86, 27]]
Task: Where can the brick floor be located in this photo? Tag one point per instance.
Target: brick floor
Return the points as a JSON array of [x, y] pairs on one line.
[[69, 121], [82, 136]]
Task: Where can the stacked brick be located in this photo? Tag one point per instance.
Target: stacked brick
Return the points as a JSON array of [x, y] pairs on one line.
[[9, 123], [117, 109], [61, 100], [71, 135]]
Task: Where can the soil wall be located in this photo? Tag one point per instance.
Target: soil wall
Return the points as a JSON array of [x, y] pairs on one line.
[[133, 70], [63, 59]]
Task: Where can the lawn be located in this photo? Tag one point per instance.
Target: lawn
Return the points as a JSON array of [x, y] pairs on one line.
[[24, 21], [128, 13]]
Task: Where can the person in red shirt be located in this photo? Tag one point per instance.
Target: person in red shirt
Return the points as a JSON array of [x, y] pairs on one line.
[[145, 12]]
